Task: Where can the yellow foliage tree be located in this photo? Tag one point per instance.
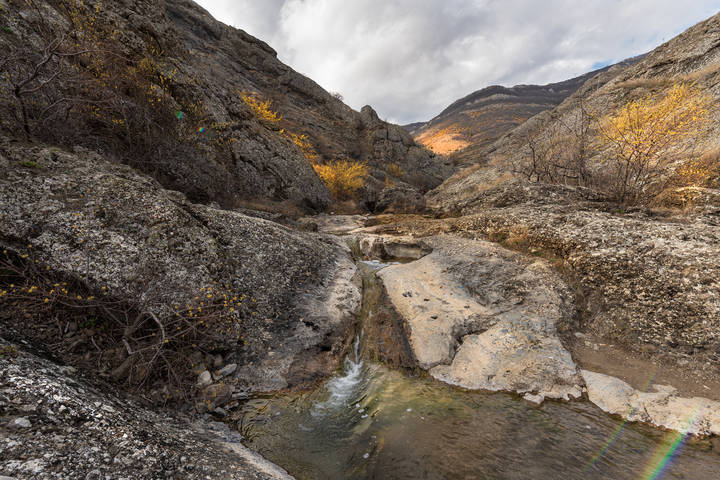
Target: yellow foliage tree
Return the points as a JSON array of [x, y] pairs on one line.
[[343, 178], [643, 134]]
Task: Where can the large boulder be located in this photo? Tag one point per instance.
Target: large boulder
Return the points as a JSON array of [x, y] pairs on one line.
[[112, 228]]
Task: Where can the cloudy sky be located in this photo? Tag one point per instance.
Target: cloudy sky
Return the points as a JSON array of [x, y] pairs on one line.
[[409, 59]]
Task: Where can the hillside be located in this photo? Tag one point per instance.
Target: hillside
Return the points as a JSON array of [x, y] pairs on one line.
[[466, 128], [164, 87], [692, 58]]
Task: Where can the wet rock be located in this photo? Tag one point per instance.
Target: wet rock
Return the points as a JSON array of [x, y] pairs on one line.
[[662, 406]]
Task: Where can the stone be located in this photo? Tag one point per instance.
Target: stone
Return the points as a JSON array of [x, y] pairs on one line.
[[20, 422], [217, 394], [662, 406], [74, 436], [204, 379], [154, 247], [482, 317], [227, 370], [535, 399]]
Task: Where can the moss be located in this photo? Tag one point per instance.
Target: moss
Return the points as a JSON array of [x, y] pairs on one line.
[[29, 164]]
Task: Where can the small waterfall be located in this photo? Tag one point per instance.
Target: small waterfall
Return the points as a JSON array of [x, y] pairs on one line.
[[342, 388]]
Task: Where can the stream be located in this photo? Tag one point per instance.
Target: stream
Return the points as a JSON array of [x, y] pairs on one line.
[[370, 421]]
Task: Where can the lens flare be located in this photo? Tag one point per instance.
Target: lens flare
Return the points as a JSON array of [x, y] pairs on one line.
[[201, 129], [179, 115], [668, 450], [619, 429]]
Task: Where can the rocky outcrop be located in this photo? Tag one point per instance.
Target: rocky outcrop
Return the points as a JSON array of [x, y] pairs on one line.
[[482, 317], [201, 138], [56, 424], [663, 407], [112, 228]]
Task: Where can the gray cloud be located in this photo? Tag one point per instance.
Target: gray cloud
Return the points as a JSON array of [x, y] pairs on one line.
[[411, 58]]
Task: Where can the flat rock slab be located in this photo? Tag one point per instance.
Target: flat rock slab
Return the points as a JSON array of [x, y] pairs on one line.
[[662, 407], [482, 317]]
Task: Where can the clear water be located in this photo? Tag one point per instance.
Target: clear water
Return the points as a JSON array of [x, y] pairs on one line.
[[372, 422]]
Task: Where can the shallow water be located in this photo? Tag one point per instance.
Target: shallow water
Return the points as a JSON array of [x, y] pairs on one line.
[[369, 421]]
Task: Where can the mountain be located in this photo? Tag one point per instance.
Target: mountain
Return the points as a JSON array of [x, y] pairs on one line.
[[466, 128], [203, 107], [692, 58]]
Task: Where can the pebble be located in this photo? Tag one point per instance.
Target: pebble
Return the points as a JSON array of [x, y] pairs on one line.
[[20, 422], [227, 370], [204, 379]]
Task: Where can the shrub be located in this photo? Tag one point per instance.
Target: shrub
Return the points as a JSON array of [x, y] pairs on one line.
[[303, 143], [395, 170], [261, 109], [639, 136], [137, 344], [343, 178]]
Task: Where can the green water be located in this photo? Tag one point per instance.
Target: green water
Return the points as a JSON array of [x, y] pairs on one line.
[[372, 422]]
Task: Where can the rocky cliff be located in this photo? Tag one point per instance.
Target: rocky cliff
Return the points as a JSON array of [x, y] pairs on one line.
[[163, 87]]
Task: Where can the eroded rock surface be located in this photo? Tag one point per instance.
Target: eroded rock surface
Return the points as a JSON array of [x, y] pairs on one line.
[[663, 407], [70, 428], [482, 317], [111, 226]]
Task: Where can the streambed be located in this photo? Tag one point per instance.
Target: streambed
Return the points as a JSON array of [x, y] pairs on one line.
[[372, 421]]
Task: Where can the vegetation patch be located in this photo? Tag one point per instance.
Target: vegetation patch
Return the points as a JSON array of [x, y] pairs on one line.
[[125, 341], [343, 178]]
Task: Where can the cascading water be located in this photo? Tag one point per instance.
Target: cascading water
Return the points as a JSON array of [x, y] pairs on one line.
[[370, 421], [343, 387]]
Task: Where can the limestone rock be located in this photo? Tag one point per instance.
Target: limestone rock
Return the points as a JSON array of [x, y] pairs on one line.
[[482, 317], [77, 423], [204, 379], [663, 407]]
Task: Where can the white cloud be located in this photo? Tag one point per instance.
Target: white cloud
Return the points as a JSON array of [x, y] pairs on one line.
[[409, 59]]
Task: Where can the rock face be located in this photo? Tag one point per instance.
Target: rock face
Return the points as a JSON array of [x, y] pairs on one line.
[[210, 144], [112, 227], [648, 283], [74, 429], [663, 407], [482, 317]]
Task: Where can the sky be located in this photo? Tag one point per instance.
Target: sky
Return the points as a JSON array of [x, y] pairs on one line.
[[410, 59]]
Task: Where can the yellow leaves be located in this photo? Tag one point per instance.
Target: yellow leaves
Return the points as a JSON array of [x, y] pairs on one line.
[[395, 170], [643, 132], [343, 178], [261, 109], [303, 142]]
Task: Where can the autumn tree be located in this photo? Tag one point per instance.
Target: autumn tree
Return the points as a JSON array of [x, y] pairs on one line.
[[645, 136]]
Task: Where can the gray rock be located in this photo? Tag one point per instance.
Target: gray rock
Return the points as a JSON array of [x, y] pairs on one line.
[[662, 407], [227, 370], [151, 247], [73, 432], [204, 379], [20, 422]]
